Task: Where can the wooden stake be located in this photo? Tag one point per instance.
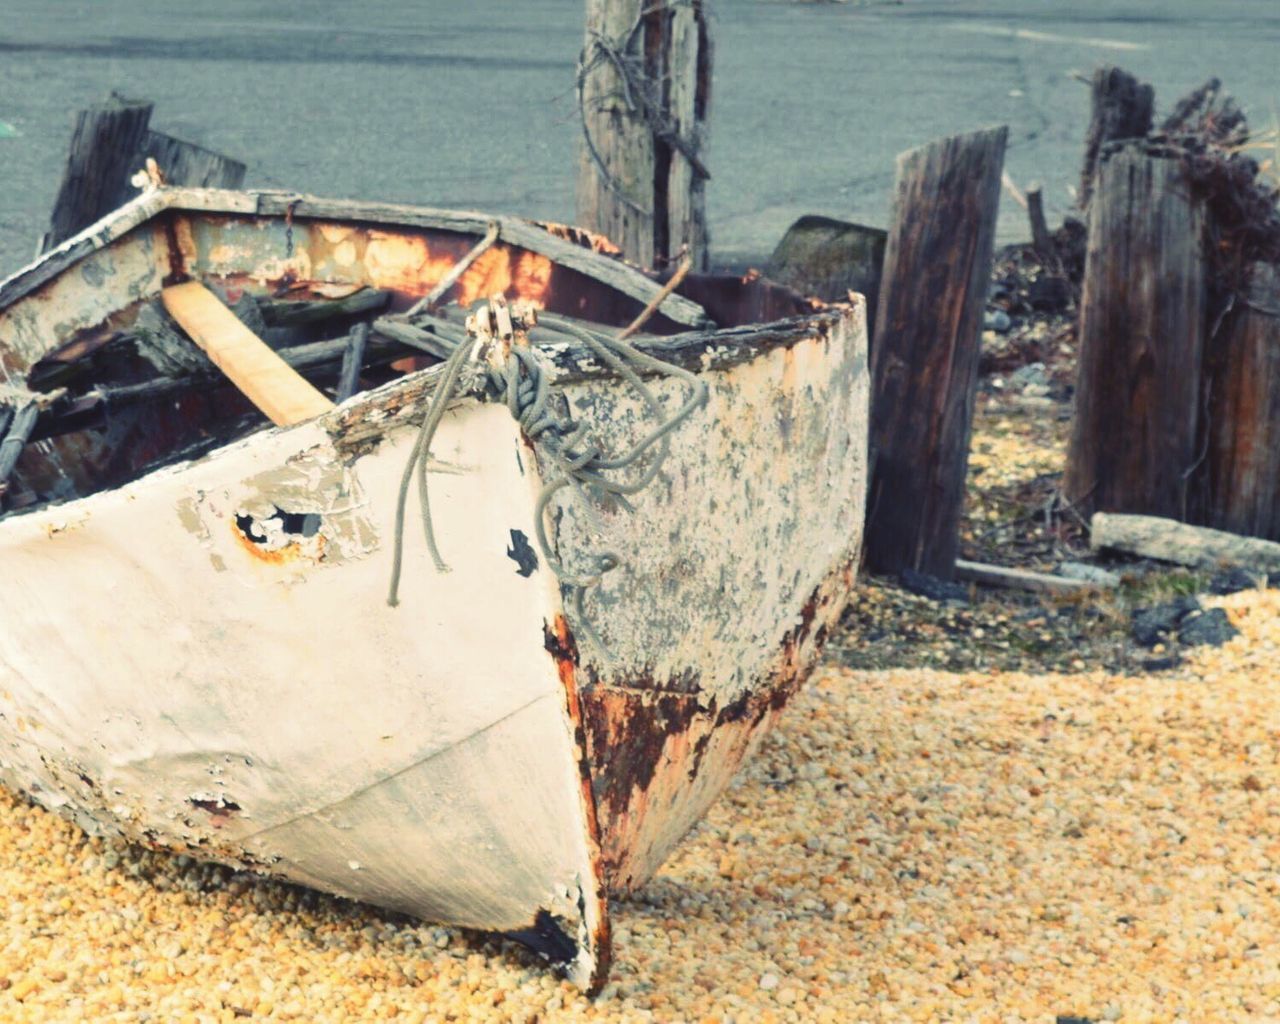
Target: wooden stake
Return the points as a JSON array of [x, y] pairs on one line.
[[1122, 108], [924, 361], [1134, 438], [265, 379]]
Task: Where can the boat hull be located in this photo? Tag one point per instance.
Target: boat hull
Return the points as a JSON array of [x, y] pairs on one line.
[[203, 659]]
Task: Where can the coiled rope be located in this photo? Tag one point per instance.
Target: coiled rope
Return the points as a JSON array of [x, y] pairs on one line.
[[573, 458]]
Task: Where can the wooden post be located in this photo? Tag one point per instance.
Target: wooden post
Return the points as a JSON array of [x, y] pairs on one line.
[[1142, 322], [644, 84], [110, 143], [1243, 378], [104, 153], [185, 163], [1041, 237], [924, 360], [1122, 108]]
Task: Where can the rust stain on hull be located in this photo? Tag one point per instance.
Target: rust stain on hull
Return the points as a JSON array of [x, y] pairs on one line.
[[660, 758]]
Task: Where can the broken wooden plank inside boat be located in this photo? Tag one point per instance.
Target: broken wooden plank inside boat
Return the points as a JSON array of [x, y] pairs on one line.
[[643, 545]]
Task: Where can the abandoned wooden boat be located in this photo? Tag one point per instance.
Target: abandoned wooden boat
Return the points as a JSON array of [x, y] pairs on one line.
[[197, 651]]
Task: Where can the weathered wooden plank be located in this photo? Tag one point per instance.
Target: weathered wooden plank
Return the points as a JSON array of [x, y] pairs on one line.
[[644, 89], [104, 150], [1134, 437], [185, 163], [265, 379], [1243, 379], [1022, 579], [924, 360], [1121, 108], [1168, 540]]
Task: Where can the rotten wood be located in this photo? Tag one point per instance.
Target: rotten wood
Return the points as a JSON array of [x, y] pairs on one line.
[[1242, 369], [1121, 108], [300, 313], [644, 86], [261, 375], [1022, 579], [1167, 540], [924, 360], [1135, 436], [352, 361], [104, 154]]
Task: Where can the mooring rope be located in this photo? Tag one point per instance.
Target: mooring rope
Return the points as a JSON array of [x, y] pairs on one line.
[[574, 458]]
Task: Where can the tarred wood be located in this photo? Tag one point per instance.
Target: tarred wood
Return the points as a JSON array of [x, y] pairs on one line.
[[1243, 375], [645, 86], [1134, 440], [924, 361]]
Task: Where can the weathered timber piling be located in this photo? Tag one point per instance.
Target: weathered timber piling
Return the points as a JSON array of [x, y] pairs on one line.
[[104, 150], [924, 361], [644, 85], [1134, 440], [1242, 369], [110, 143]]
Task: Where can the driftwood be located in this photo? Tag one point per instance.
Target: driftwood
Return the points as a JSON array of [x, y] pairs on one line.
[[1167, 540], [924, 360], [644, 85], [1243, 379], [1122, 108], [1134, 443], [1022, 579]]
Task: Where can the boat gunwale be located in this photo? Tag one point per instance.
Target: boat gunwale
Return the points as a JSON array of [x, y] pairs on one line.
[[527, 234]]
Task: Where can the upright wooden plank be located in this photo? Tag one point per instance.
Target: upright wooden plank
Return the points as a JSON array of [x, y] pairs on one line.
[[1243, 455], [265, 379], [185, 163], [644, 89], [104, 151], [1134, 437], [924, 360]]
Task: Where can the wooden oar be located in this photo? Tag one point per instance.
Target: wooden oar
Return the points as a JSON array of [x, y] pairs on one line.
[[251, 365]]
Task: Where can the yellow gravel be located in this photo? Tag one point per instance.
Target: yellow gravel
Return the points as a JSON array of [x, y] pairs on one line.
[[910, 846]]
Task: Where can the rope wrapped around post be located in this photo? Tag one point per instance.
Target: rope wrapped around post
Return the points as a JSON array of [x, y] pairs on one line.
[[574, 459]]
